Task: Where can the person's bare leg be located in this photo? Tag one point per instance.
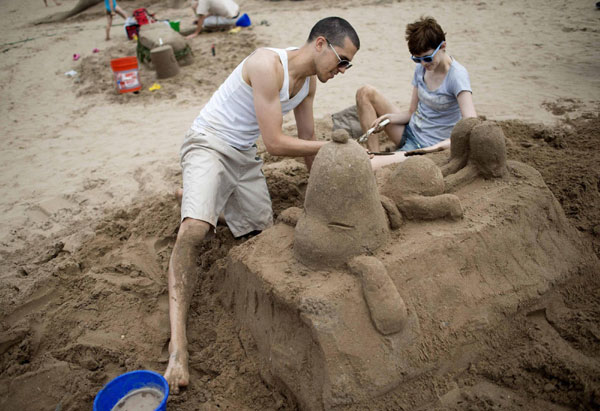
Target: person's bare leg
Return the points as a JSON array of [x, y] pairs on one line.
[[108, 24], [182, 283], [121, 12], [371, 104]]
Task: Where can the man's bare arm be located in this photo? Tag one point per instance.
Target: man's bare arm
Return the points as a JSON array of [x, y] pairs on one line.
[[305, 121], [265, 75], [199, 24]]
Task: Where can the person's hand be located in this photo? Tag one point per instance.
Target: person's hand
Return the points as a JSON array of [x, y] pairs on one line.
[[378, 121], [371, 155], [191, 36]]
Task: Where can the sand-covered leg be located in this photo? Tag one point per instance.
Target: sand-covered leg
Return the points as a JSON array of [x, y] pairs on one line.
[[386, 306], [183, 278]]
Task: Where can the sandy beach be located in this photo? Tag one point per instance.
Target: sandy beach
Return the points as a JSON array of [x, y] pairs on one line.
[[89, 218]]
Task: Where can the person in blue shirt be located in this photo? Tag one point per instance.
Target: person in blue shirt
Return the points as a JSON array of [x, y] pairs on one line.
[[441, 96], [111, 8]]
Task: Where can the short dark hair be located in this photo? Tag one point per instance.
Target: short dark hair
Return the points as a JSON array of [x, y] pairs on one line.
[[334, 29], [424, 34]]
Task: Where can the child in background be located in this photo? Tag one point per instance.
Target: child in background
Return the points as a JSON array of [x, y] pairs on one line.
[[110, 12]]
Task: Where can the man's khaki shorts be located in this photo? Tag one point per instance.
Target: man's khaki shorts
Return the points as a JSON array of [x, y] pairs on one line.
[[219, 178]]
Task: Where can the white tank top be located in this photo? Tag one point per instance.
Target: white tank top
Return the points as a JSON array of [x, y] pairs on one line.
[[230, 114]]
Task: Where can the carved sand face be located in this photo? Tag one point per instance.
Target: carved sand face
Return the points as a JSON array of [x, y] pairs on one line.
[[343, 216]]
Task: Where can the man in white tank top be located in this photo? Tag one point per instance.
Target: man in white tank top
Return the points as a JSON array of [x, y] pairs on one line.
[[221, 169]]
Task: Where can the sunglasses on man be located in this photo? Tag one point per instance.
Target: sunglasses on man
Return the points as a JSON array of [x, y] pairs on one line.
[[342, 63], [427, 59]]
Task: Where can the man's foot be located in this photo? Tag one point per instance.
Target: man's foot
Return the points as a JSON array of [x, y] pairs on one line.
[[177, 374]]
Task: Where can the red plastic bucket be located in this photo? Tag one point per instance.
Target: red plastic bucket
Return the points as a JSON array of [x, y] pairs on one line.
[[126, 74]]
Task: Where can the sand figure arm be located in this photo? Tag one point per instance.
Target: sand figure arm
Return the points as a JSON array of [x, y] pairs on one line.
[[418, 207], [265, 75], [394, 216], [386, 306]]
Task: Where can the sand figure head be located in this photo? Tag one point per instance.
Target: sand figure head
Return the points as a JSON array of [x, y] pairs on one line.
[[488, 150], [416, 186], [416, 175], [343, 216]]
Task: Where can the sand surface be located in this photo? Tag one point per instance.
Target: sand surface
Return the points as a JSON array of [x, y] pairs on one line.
[[88, 219]]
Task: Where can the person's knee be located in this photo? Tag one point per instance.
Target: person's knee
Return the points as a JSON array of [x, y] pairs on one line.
[[193, 231], [365, 93]]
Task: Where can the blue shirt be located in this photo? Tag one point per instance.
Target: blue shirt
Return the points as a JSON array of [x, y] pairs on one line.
[[438, 111]]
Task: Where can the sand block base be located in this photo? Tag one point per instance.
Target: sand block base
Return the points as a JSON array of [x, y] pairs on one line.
[[313, 332]]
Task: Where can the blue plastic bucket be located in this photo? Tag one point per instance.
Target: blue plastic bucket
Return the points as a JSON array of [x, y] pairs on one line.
[[243, 21], [120, 386]]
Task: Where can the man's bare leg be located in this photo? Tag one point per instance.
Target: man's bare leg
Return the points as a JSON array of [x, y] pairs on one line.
[[182, 283], [371, 104]]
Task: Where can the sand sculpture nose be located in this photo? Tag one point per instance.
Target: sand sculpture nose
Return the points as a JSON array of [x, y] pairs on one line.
[[343, 216]]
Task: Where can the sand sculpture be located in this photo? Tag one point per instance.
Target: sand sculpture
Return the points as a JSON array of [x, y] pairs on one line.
[[343, 214], [478, 148], [416, 186], [361, 292]]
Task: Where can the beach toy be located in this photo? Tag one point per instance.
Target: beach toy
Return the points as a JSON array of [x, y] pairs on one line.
[[235, 30], [154, 87], [243, 21], [76, 56], [126, 74], [142, 389], [174, 25]]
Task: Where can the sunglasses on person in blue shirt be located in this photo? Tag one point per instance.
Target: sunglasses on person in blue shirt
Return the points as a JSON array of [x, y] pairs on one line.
[[427, 59]]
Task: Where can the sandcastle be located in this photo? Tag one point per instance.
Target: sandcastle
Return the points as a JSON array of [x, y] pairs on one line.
[[368, 287]]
